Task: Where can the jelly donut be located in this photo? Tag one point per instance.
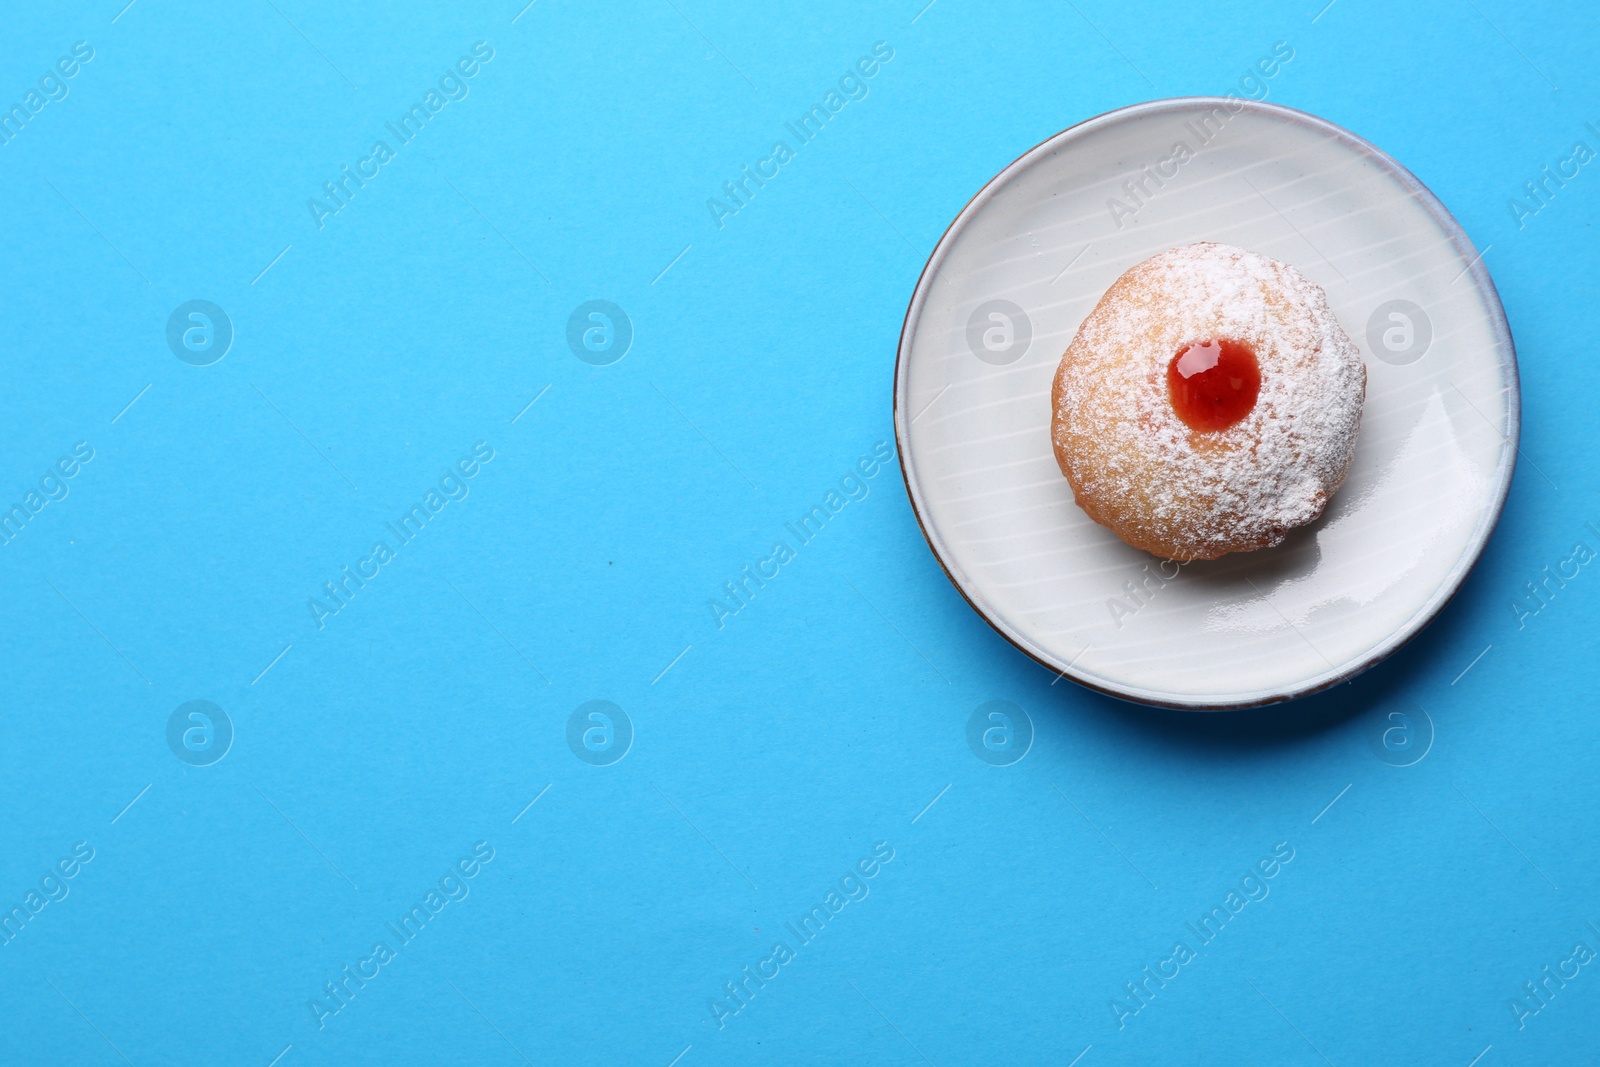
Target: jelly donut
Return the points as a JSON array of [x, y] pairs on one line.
[[1209, 403]]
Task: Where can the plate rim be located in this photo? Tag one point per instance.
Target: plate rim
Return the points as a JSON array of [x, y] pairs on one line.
[[1448, 586]]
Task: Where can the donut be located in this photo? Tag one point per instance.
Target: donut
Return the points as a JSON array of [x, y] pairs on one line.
[[1209, 403]]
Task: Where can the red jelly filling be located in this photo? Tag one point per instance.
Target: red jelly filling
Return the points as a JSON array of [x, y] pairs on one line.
[[1214, 384]]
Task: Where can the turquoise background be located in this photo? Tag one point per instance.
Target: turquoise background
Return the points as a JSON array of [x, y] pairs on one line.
[[771, 755]]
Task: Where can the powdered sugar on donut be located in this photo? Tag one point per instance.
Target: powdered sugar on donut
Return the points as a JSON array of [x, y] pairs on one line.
[[1137, 468]]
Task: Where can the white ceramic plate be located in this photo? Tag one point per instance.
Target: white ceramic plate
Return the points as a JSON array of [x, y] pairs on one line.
[[1022, 265]]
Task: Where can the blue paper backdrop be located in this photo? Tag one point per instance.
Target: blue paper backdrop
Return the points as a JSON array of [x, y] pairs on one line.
[[167, 907]]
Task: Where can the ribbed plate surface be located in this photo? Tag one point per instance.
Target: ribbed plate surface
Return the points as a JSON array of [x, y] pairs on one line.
[[1048, 236]]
